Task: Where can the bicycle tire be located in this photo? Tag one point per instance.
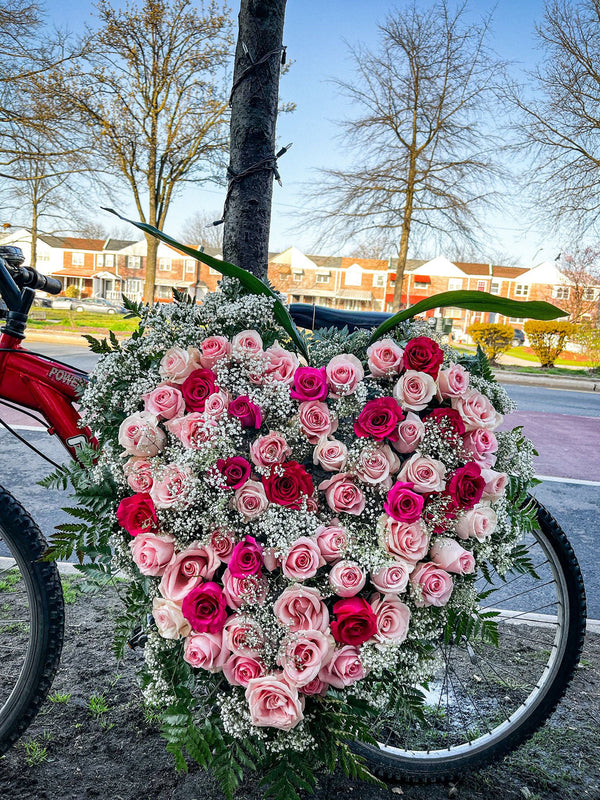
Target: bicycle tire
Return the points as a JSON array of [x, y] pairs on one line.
[[36, 593], [408, 764]]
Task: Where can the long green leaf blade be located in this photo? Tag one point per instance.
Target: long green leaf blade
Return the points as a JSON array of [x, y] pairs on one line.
[[474, 301], [247, 279]]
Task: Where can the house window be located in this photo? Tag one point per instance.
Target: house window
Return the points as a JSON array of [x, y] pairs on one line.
[[481, 285], [212, 271], [521, 290], [133, 286], [190, 265], [297, 275], [322, 277], [589, 294], [421, 284], [43, 256], [134, 262], [495, 288], [77, 259], [379, 280], [164, 264], [455, 284], [517, 319], [561, 292], [164, 292], [109, 260]]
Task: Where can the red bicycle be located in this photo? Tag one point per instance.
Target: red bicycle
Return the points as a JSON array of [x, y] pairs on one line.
[[484, 701]]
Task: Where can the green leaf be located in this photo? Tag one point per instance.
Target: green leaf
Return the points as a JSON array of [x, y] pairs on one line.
[[473, 301], [249, 281]]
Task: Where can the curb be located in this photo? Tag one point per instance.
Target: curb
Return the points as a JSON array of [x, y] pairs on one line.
[[549, 381], [64, 337]]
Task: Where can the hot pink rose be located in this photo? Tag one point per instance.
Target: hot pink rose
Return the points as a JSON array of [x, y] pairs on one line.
[[393, 617], [300, 608], [165, 402], [343, 668], [205, 651], [137, 514], [309, 384], [280, 364], [415, 390], [403, 503], [432, 585], [384, 358], [426, 474], [354, 621], [251, 500], [453, 382], [222, 542], [177, 364], [247, 343], [316, 420], [246, 558], [449, 555], [172, 486], [235, 470], [347, 578], [302, 560], [376, 464], [139, 474], [424, 355], [332, 540], [240, 670], [379, 419], [196, 388], [479, 523], [214, 349], [152, 553], [343, 495], [409, 541], [274, 703], [495, 484], [216, 404], [204, 608], [343, 374], [270, 449], [140, 435], [330, 454], [392, 579], [170, 622], [410, 434], [248, 413], [477, 411], [247, 590], [243, 636], [482, 445], [192, 430], [304, 656], [188, 569]]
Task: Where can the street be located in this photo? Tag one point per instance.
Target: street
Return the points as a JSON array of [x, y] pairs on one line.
[[564, 425]]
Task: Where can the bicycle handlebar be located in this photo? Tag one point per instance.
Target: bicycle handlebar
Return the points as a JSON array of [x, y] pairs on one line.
[[27, 276]]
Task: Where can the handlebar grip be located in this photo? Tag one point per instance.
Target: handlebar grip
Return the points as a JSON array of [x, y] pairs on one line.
[[35, 280]]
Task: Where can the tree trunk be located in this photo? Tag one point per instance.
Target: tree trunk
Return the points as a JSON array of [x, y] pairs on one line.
[[252, 135], [34, 236], [151, 251]]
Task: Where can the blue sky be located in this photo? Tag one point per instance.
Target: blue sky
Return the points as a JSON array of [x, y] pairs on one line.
[[315, 35]]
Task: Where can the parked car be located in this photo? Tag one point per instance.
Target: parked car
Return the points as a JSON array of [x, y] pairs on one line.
[[62, 301], [97, 305], [518, 337], [42, 301]]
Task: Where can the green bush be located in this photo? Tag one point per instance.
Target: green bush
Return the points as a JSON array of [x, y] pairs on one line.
[[493, 338], [588, 338], [548, 338]]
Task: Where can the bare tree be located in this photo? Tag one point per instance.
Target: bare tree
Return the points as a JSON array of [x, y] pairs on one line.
[[581, 296], [200, 230], [419, 139]]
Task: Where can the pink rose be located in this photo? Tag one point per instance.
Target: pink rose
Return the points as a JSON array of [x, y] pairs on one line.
[[246, 558], [426, 474], [449, 555], [280, 364], [495, 484], [393, 617], [240, 670], [309, 384], [332, 540], [188, 569], [315, 687], [479, 523], [379, 419], [409, 541], [222, 543], [177, 364], [216, 404], [414, 390], [152, 553], [330, 454], [453, 382], [246, 590], [300, 608], [482, 445], [343, 495], [344, 668], [402, 503], [251, 500], [343, 374], [316, 421], [140, 435], [302, 560], [192, 430], [410, 434], [243, 636], [476, 411], [139, 474], [432, 586], [304, 656], [214, 349], [392, 579], [170, 622], [247, 412], [384, 358], [270, 559], [173, 486], [165, 402], [375, 465], [246, 343], [347, 578], [270, 449], [274, 703], [205, 651]]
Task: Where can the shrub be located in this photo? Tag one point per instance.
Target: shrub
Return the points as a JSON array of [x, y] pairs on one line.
[[492, 337], [72, 291], [548, 338], [588, 338]]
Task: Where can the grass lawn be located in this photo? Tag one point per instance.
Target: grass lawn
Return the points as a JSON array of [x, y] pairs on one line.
[[527, 354], [58, 319], [566, 360]]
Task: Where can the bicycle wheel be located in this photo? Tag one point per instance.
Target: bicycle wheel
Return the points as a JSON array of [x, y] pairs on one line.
[[485, 700], [31, 620]]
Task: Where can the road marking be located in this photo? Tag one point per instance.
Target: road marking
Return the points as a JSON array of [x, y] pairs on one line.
[[577, 481]]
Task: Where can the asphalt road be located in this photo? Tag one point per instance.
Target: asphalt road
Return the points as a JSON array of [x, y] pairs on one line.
[[565, 426]]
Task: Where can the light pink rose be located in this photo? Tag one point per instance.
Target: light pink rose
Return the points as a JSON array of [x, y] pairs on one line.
[[281, 364], [449, 555], [343, 495], [165, 402], [205, 651], [393, 617], [140, 435], [270, 560], [476, 411], [169, 620], [481, 444], [411, 431], [240, 670], [214, 348], [192, 430], [172, 486], [453, 382], [216, 404], [426, 474], [392, 579], [300, 608], [316, 686], [247, 343], [223, 542], [270, 449], [247, 590], [243, 635], [384, 358], [139, 474], [316, 420], [274, 703], [410, 541], [188, 569], [347, 578], [250, 500], [343, 374], [344, 668], [414, 390], [479, 523], [304, 656], [376, 464], [177, 364], [152, 553], [332, 540], [330, 454], [432, 585], [495, 484], [302, 560]]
